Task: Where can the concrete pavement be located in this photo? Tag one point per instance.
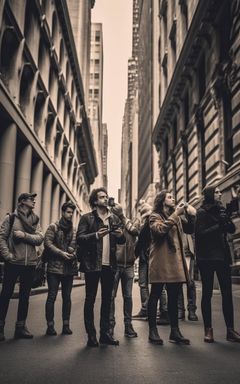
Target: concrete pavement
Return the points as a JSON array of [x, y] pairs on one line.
[[66, 359]]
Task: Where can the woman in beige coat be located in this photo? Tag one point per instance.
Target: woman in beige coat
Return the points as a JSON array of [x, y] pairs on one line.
[[167, 264]]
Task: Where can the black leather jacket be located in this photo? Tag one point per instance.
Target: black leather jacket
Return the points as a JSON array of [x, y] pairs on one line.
[[90, 248]]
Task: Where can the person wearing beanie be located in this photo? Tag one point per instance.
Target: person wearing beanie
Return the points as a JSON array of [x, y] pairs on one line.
[[213, 255], [20, 233], [167, 264]]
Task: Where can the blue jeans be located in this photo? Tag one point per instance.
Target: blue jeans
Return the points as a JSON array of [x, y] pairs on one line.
[[144, 289], [54, 280], [126, 276]]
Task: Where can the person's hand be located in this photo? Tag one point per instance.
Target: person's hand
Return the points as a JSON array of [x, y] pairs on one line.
[[70, 250], [67, 256], [102, 232], [118, 232], [191, 210], [117, 210], [18, 234], [180, 209]]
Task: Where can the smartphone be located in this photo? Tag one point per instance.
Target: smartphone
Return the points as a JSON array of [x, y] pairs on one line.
[[111, 202]]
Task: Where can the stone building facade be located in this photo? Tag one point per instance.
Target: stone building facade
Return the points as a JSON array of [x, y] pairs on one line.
[[95, 97], [46, 143], [197, 132]]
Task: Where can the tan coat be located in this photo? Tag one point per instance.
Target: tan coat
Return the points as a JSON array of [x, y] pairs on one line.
[[167, 265]]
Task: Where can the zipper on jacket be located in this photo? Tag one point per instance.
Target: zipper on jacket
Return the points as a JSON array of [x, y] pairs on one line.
[[26, 256]]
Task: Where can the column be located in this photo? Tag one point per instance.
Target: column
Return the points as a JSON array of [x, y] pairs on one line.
[[7, 168], [55, 203], [23, 174], [46, 201], [36, 185]]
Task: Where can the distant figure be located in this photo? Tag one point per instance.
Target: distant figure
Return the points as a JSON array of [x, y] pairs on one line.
[[213, 255], [20, 233], [60, 250], [97, 236], [125, 272]]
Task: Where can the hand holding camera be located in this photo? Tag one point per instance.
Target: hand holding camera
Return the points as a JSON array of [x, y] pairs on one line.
[[103, 231], [181, 208]]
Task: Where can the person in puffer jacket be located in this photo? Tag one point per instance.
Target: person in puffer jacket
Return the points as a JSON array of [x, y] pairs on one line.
[[125, 272], [20, 233], [60, 251]]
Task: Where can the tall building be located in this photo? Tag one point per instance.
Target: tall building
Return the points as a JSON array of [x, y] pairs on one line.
[[46, 141], [128, 167], [197, 132], [95, 103], [105, 154]]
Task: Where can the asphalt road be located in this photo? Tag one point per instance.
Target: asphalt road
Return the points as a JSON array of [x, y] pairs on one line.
[[67, 360]]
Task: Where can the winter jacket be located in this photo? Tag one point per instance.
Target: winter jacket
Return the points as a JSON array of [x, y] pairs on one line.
[[125, 252], [211, 228], [167, 263], [90, 248], [22, 251], [142, 246], [54, 251]]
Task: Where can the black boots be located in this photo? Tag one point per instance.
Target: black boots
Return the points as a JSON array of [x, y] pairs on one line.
[[129, 331], [92, 340], [107, 338], [66, 330], [51, 330], [192, 316], [21, 332], [177, 337], [163, 318], [233, 335], [208, 336], [154, 337]]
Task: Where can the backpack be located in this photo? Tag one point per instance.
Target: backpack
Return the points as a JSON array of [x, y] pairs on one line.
[[11, 222]]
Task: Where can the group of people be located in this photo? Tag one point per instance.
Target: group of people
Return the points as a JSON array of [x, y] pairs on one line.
[[106, 244]]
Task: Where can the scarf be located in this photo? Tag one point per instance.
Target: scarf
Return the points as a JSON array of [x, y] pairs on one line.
[[65, 225], [29, 221]]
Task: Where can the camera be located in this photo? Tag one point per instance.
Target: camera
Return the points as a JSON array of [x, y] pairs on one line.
[[111, 202], [114, 227]]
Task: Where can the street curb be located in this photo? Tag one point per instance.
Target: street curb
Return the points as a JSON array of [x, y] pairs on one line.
[[40, 290]]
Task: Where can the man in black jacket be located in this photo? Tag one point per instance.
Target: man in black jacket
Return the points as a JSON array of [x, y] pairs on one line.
[[97, 236]]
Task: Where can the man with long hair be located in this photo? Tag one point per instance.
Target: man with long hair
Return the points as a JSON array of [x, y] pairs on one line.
[[98, 234]]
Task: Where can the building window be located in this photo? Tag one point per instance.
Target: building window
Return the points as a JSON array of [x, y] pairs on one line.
[[96, 93], [96, 75], [97, 61], [97, 36], [186, 110], [201, 77]]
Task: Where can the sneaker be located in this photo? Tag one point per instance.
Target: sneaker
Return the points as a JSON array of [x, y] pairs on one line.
[[163, 318], [66, 330], [22, 333], [192, 316], [141, 315], [129, 331], [51, 331]]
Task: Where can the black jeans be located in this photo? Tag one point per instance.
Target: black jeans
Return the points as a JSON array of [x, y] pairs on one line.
[[54, 280], [106, 278], [11, 274], [223, 272], [172, 291]]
